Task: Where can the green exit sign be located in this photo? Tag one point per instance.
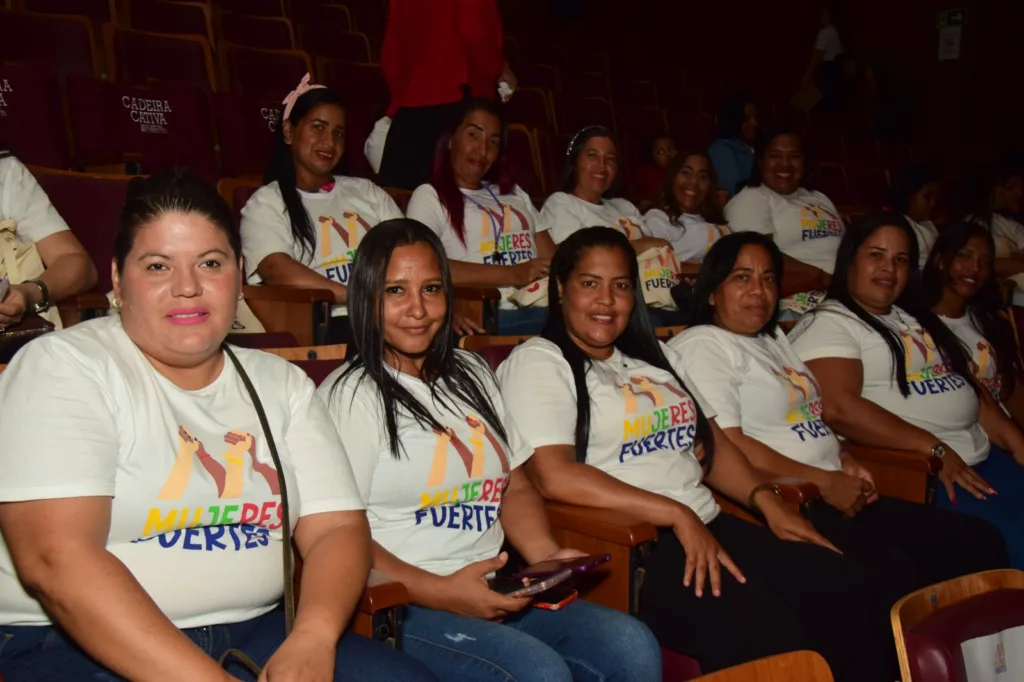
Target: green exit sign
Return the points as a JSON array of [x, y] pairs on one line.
[[952, 17]]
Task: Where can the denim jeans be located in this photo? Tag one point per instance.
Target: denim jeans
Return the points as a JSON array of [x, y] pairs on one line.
[[1004, 510], [45, 654], [582, 642], [520, 321]]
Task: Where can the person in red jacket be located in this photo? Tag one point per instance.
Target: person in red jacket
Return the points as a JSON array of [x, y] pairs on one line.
[[435, 53]]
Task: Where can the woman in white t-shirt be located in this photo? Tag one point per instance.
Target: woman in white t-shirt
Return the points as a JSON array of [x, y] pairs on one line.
[[769, 405], [914, 195], [687, 214], [487, 224], [804, 223], [69, 270], [590, 185], [992, 201], [304, 226], [142, 501], [439, 463], [615, 425], [893, 376]]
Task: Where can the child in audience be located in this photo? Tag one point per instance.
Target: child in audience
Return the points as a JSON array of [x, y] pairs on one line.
[[959, 287], [148, 541], [892, 375], [687, 215], [439, 465], [616, 426], [914, 194], [805, 224], [733, 152], [769, 405], [69, 270], [649, 175], [590, 185], [304, 226], [487, 224]]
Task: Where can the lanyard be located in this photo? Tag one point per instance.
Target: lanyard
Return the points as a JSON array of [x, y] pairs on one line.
[[497, 228]]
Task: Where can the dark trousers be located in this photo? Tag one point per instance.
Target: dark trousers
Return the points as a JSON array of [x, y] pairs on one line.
[[797, 596], [409, 148]]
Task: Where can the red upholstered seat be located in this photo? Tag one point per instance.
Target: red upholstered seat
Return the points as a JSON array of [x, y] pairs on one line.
[[180, 18], [245, 126], [161, 126], [271, 33], [530, 107], [261, 8], [98, 12], [270, 73], [318, 370], [144, 58], [362, 86], [64, 43], [264, 340], [325, 40], [31, 115]]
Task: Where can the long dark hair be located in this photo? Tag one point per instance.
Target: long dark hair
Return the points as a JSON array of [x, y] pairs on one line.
[[281, 168], [909, 299], [442, 176], [572, 154], [459, 372], [637, 341], [985, 307], [907, 184], [716, 267], [667, 202]]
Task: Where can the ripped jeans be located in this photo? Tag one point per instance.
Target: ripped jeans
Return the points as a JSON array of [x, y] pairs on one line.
[[582, 642]]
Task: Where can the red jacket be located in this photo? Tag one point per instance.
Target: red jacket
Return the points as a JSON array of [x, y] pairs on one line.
[[433, 47]]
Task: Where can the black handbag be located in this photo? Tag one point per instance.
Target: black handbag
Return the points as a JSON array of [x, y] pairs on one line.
[[13, 338]]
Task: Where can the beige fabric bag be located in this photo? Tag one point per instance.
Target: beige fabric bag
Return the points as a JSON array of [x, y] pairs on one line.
[[533, 296], [245, 322], [20, 262], [659, 272]]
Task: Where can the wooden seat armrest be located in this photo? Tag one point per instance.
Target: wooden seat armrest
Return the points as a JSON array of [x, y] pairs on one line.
[[603, 524], [900, 459], [797, 491], [382, 592], [476, 293], [89, 300], [286, 294]]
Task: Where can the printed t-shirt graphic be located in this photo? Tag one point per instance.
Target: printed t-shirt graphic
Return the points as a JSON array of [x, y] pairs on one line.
[[643, 424], [940, 401], [341, 213], [437, 505], [194, 494], [984, 362], [760, 385], [564, 214]]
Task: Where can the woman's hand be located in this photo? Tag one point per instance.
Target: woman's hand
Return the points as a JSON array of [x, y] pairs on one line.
[[564, 554], [704, 556], [787, 524], [464, 326], [955, 470], [13, 307], [466, 592], [845, 492], [852, 467], [303, 657], [531, 270]]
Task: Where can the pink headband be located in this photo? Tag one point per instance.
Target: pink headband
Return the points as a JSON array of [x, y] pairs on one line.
[[301, 89]]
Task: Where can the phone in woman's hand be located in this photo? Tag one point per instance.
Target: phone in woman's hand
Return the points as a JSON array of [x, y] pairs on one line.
[[518, 587], [580, 564]]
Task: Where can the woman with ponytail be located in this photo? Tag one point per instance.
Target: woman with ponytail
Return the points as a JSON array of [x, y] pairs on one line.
[[614, 424], [892, 375], [303, 227]]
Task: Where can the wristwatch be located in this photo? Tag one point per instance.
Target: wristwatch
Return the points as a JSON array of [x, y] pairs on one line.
[[939, 450], [44, 301]]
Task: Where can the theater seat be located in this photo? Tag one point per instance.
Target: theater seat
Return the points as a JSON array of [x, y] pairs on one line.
[[899, 473], [270, 73], [98, 12], [270, 33], [33, 116], [931, 624], [295, 353], [245, 129], [144, 58], [178, 18], [64, 43], [797, 666], [477, 304], [264, 340]]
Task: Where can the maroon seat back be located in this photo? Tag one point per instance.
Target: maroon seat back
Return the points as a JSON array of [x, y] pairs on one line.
[[933, 645], [239, 198], [245, 126], [362, 86], [495, 355], [264, 340], [63, 43], [265, 73], [166, 125], [90, 205], [98, 12], [260, 8], [529, 107], [170, 17], [31, 115], [270, 33], [147, 58], [519, 151], [318, 370]]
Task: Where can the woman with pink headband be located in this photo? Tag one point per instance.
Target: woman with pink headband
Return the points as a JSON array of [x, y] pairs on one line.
[[303, 227]]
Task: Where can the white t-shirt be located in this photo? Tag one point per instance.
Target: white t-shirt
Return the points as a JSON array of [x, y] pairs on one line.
[[690, 235], [341, 217], [564, 214], [1008, 235], [24, 201], [760, 385], [984, 362], [940, 401], [642, 423], [829, 43], [437, 506], [194, 514], [805, 224], [926, 234], [508, 229]]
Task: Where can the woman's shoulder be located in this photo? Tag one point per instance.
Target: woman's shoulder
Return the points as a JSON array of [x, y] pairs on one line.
[[361, 186], [559, 200], [278, 375], [537, 350], [268, 194], [424, 193], [623, 206]]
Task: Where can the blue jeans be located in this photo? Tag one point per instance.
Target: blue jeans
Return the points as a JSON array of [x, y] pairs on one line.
[[45, 654], [520, 321], [1005, 510], [583, 642]]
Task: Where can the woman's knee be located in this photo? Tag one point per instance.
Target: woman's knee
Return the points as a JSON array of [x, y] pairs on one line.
[[622, 648], [528, 660], [360, 659]]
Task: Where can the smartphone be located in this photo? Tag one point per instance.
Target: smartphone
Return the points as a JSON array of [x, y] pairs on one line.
[[576, 565], [513, 587], [556, 599], [5, 285]]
